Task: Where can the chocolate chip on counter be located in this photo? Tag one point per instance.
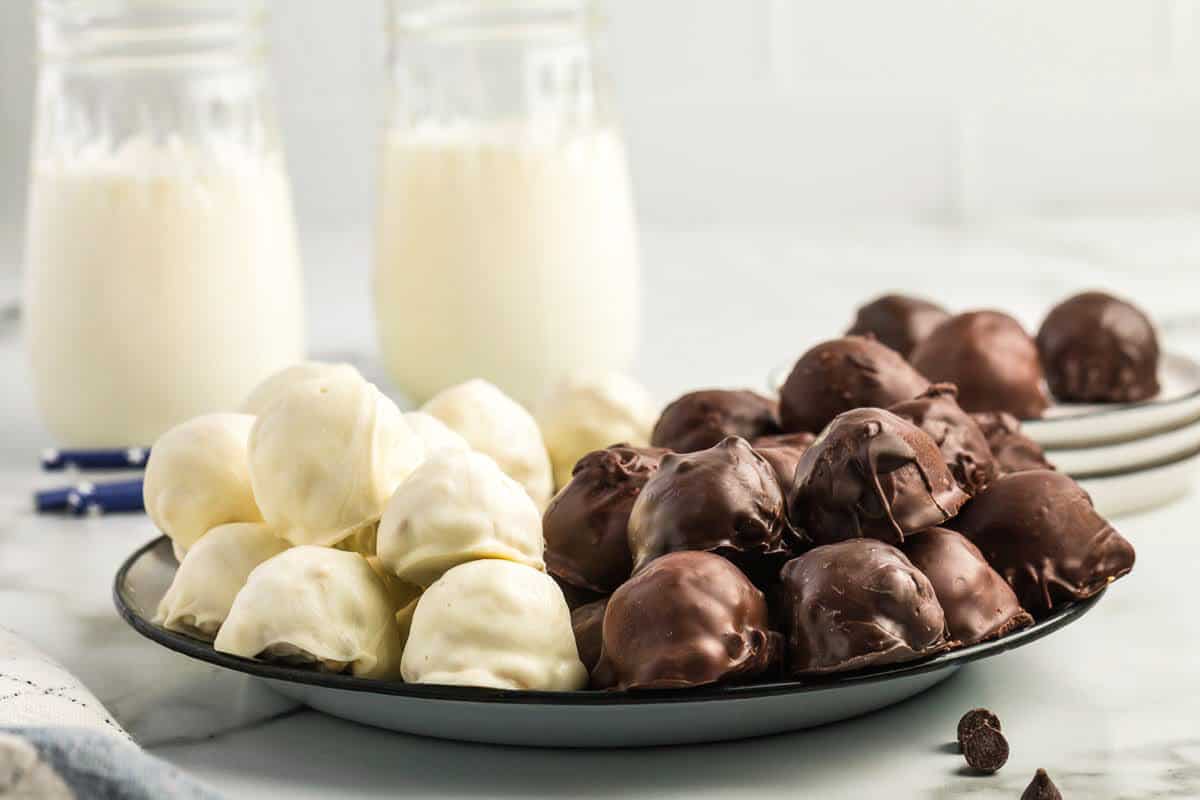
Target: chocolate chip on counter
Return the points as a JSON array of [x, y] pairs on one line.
[[973, 719], [985, 749], [1041, 788]]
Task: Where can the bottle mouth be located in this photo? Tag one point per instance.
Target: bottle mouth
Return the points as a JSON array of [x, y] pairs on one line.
[[489, 19], [162, 32]]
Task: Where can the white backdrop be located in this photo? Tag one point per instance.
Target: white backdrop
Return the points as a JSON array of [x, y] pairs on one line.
[[779, 111]]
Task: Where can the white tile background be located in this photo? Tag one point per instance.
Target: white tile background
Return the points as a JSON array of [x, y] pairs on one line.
[[777, 111]]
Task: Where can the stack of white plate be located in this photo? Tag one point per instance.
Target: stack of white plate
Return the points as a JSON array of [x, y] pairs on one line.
[[1130, 457]]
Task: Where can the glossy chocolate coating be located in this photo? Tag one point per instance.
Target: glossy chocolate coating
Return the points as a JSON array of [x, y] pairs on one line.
[[1039, 530], [964, 447], [871, 474], [843, 374], [898, 320], [857, 604], [588, 624], [587, 544], [991, 359], [1013, 450], [575, 596], [978, 603], [1096, 348], [724, 500], [783, 452], [699, 420], [688, 619]]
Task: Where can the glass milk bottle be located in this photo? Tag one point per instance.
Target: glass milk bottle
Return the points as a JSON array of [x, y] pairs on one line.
[[163, 279], [506, 246]]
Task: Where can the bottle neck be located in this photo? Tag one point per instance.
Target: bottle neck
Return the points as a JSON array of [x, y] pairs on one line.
[[467, 20], [522, 63], [161, 76], [150, 34]]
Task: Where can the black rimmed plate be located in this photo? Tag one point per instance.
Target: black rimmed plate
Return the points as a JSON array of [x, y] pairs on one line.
[[567, 719]]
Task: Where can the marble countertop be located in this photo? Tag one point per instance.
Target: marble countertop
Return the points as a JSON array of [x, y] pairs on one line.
[[1108, 706]]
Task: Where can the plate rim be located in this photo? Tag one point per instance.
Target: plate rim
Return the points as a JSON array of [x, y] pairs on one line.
[[1041, 422], [1146, 452], [203, 651], [1124, 408], [1160, 463]]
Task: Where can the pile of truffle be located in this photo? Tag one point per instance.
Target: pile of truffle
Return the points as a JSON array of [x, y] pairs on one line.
[[1091, 348], [868, 517], [321, 527]]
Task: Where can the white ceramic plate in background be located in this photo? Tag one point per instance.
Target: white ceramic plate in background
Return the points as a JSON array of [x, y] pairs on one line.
[[1146, 451], [568, 719], [1085, 425], [1124, 492], [1075, 425]]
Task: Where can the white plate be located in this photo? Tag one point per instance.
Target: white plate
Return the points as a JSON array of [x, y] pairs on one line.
[[568, 719], [1124, 492], [1156, 448], [1083, 425]]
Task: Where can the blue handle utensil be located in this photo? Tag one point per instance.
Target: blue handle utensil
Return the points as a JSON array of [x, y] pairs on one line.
[[54, 499], [107, 498], [87, 460], [92, 498]]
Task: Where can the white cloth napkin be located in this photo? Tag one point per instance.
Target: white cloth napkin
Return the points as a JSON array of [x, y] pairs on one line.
[[57, 742], [59, 598], [36, 692]]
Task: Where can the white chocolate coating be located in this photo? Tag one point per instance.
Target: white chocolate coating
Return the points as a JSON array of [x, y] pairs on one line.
[[496, 425], [402, 593], [326, 456], [316, 604], [273, 387], [590, 411], [456, 507], [497, 624], [404, 619], [198, 477], [362, 541], [434, 433], [211, 574]]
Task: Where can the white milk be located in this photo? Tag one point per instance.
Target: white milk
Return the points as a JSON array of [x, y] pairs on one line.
[[504, 256], [161, 285]]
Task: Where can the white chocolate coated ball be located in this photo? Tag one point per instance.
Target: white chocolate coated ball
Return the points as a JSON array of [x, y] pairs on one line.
[[319, 605], [211, 574], [590, 411], [434, 433], [497, 624], [496, 425], [273, 387], [326, 456], [401, 592], [458, 506], [198, 477]]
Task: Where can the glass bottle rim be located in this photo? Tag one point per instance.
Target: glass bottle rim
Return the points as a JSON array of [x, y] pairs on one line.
[[151, 32], [486, 19]]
